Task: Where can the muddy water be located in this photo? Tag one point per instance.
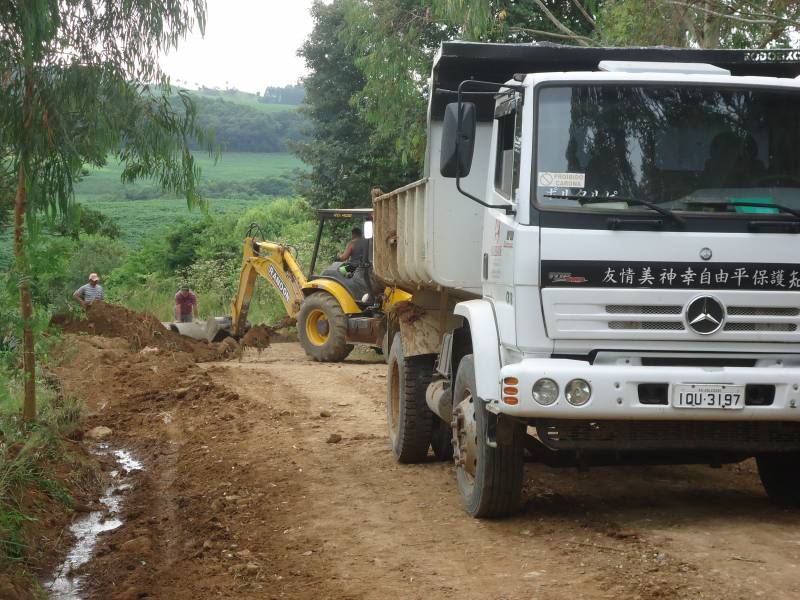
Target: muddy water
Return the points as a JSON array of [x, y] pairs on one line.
[[66, 583]]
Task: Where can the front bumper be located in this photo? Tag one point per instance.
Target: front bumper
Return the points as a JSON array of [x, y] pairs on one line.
[[615, 391]]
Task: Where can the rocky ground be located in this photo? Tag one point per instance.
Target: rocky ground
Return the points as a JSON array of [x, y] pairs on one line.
[[269, 476]]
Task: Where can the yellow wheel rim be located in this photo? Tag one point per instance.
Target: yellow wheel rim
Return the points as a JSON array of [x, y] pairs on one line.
[[317, 327]]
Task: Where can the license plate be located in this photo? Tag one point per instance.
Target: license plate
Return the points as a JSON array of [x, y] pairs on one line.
[[703, 395]]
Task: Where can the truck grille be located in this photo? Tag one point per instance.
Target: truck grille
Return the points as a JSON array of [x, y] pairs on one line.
[[638, 309], [763, 311], [664, 325], [760, 327], [677, 325], [623, 315], [753, 436]]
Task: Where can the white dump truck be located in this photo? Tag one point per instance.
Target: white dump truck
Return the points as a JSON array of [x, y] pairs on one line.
[[604, 257]]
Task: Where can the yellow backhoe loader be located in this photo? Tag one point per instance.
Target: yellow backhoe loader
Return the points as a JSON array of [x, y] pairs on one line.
[[334, 310]]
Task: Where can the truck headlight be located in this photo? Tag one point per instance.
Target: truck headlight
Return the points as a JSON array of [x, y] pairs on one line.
[[578, 392], [545, 391]]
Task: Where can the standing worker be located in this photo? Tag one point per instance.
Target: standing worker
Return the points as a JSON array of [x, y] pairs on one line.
[[185, 305], [89, 292]]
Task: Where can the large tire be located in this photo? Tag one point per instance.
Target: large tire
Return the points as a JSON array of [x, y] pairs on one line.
[[322, 328], [491, 486], [779, 475], [407, 414]]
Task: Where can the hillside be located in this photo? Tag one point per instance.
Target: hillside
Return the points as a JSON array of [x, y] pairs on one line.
[[243, 123], [244, 128], [238, 181], [242, 98]]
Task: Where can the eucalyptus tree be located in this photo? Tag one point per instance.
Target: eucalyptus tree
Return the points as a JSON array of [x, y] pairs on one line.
[[79, 81], [678, 23]]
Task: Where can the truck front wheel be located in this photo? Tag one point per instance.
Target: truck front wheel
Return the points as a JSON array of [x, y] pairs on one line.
[[407, 414], [322, 328], [489, 476], [778, 473]]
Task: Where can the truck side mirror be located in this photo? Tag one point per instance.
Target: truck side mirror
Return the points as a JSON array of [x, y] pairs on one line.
[[458, 139]]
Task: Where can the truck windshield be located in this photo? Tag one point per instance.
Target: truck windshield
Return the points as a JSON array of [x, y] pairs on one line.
[[692, 149]]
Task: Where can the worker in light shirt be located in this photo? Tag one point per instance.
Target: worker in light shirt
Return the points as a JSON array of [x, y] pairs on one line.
[[89, 292]]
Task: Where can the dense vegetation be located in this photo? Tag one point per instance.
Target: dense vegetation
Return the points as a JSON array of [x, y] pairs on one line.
[[369, 62], [249, 127], [207, 253], [288, 94], [81, 88]]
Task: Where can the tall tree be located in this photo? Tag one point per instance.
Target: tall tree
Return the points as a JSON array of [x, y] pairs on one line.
[[678, 23], [80, 79], [346, 156], [393, 42], [703, 23]]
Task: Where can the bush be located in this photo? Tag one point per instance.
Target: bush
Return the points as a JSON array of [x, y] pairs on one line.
[[26, 458], [61, 265], [207, 254]]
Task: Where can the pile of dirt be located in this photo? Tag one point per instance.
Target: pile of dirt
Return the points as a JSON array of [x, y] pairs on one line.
[[258, 337], [141, 330]]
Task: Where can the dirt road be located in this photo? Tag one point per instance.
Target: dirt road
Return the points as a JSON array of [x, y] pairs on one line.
[[246, 495]]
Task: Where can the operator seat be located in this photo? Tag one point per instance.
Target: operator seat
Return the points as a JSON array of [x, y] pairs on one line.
[[359, 281]]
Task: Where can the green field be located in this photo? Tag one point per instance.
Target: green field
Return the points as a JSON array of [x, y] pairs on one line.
[[140, 218], [105, 184], [141, 209]]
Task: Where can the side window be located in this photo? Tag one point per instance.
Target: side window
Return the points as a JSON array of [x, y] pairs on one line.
[[507, 161]]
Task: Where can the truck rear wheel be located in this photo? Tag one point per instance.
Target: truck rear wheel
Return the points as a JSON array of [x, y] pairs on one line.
[[322, 328], [779, 475], [407, 414], [489, 478]]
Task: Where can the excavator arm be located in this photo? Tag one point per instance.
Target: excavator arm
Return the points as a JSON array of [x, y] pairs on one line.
[[275, 263]]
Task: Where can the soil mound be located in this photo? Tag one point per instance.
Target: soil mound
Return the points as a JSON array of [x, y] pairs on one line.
[[258, 337], [140, 330]]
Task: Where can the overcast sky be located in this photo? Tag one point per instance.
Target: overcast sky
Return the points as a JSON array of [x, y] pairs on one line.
[[249, 44]]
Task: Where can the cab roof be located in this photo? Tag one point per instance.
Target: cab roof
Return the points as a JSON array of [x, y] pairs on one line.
[[458, 61]]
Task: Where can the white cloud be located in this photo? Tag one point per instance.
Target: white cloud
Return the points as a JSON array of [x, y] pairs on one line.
[[249, 44]]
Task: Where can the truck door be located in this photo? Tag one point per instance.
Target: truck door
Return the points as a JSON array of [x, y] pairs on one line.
[[499, 227]]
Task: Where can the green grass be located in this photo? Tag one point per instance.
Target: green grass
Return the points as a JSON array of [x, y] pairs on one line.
[[139, 209], [105, 184], [140, 218], [157, 297], [28, 456]]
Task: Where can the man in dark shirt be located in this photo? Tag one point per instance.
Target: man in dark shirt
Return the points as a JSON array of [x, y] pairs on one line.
[[356, 252], [185, 305]]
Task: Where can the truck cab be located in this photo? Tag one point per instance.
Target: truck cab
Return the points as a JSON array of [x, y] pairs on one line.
[[603, 256]]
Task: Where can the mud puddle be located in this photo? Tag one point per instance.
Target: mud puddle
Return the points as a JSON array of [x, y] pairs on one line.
[[66, 583]]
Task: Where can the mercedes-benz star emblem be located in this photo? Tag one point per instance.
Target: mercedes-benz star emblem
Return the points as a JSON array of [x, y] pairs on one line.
[[706, 254], [705, 315]]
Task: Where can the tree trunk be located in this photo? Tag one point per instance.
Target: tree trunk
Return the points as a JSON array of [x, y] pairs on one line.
[[25, 300]]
